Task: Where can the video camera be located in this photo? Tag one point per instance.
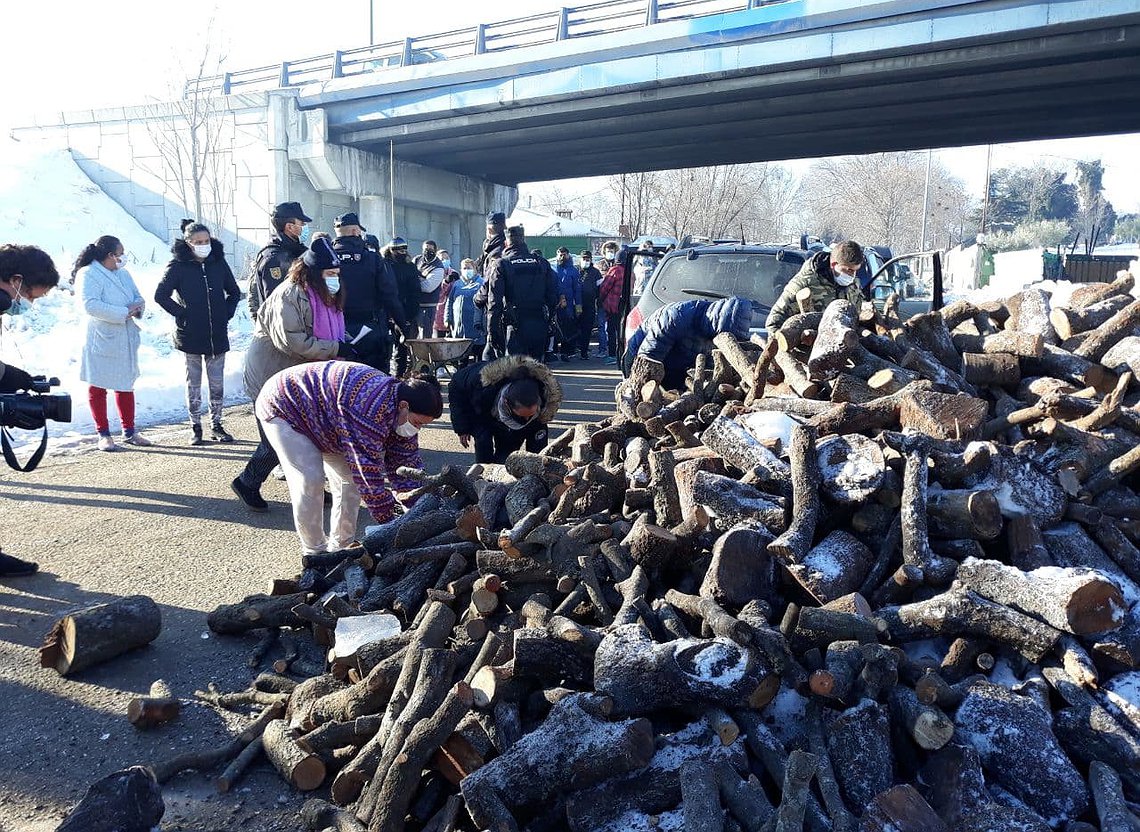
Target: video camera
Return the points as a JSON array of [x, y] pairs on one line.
[[29, 411]]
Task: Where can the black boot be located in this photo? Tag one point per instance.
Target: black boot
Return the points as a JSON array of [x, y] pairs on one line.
[[250, 496], [11, 567], [196, 435], [218, 434]]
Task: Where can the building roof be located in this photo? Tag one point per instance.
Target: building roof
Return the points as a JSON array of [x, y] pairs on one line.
[[542, 224]]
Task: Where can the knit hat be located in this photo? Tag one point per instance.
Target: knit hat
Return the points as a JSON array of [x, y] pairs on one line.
[[497, 218], [321, 256]]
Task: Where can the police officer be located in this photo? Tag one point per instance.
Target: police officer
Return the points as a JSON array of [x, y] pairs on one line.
[[273, 261], [371, 297], [493, 247], [408, 287], [522, 293]]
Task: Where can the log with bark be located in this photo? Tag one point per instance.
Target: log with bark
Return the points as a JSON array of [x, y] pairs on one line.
[[96, 634]]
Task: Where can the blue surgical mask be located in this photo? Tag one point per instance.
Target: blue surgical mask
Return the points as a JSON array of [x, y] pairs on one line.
[[333, 283], [20, 304], [468, 275], [446, 263], [306, 234]]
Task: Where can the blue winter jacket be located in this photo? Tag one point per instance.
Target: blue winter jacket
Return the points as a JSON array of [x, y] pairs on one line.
[[678, 332], [462, 315], [570, 287]]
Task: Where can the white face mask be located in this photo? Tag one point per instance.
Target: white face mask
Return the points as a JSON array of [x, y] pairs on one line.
[[121, 261], [844, 279], [201, 251], [333, 283], [407, 430]]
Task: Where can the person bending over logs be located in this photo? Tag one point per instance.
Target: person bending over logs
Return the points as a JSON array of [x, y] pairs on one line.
[[354, 424]]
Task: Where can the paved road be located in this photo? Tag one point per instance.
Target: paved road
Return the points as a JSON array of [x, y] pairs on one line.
[[162, 522]]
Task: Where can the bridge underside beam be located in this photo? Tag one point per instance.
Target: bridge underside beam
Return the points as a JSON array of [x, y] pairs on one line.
[[1049, 83]]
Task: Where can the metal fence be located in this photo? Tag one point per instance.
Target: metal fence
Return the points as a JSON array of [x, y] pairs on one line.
[[605, 17]]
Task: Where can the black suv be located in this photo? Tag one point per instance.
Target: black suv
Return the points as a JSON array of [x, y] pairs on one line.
[[712, 272]]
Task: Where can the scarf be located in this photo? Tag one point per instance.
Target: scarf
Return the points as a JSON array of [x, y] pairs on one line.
[[328, 321], [503, 412]]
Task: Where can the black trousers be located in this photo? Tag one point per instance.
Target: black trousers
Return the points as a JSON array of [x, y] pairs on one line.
[[261, 463], [528, 336], [586, 323], [494, 442]]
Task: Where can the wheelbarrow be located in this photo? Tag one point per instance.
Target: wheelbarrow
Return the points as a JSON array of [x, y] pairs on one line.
[[434, 354]]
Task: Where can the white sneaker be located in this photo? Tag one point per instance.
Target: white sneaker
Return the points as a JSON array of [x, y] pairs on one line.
[[138, 440], [106, 443]]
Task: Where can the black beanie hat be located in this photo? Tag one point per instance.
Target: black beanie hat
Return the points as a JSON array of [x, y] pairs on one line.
[[321, 256]]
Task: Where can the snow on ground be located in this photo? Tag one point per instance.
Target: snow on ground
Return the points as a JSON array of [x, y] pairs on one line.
[[46, 200]]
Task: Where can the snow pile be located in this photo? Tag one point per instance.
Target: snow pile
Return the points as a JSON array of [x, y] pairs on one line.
[[47, 201]]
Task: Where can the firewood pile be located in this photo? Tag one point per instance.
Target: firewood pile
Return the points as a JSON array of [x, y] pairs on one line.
[[870, 575]]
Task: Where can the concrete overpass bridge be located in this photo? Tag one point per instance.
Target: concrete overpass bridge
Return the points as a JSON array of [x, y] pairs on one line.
[[626, 85]]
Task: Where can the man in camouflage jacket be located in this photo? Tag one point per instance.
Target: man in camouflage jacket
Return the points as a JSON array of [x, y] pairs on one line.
[[830, 275]]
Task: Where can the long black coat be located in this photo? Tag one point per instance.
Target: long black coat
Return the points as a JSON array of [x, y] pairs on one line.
[[202, 297]]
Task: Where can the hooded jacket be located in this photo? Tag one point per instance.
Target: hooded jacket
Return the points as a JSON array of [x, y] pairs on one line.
[[202, 296], [816, 275], [473, 391], [270, 268], [678, 332], [370, 292]]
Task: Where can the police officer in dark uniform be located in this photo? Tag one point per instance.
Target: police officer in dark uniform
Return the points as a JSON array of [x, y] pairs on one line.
[[408, 288], [522, 293], [370, 297], [493, 245], [273, 261]]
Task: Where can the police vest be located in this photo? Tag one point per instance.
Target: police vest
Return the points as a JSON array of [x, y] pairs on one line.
[[526, 283]]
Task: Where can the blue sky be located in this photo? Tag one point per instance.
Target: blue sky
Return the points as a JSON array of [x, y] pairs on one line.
[[79, 55]]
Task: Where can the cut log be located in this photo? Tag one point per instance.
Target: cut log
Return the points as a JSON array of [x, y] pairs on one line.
[[941, 415], [834, 567], [149, 711], [1110, 332], [851, 468], [301, 769], [1062, 364], [1108, 795], [916, 551], [960, 612], [320, 815], [927, 725], [793, 545], [732, 502], [737, 446], [796, 375], [741, 569], [663, 484], [994, 370], [1012, 736], [1124, 356], [1086, 295], [859, 743], [958, 793], [641, 675], [700, 798], [1069, 321], [96, 634], [836, 341], [742, 362], [573, 744], [901, 809], [964, 514], [796, 790], [792, 331], [1079, 601]]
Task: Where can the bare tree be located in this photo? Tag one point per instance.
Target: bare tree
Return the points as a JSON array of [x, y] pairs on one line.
[[1096, 215], [879, 199], [190, 135], [638, 195]]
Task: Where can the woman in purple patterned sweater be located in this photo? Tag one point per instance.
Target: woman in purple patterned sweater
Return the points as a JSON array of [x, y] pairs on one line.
[[354, 425]]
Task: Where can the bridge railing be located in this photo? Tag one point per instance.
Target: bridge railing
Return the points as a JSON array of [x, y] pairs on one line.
[[587, 20]]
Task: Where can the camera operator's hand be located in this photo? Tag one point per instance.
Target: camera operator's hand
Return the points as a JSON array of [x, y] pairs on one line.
[[15, 379]]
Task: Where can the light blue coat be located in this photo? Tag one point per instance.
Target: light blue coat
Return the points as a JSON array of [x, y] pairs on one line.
[[110, 356]]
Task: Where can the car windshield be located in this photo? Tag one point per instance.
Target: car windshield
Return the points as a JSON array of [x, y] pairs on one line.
[[757, 276]]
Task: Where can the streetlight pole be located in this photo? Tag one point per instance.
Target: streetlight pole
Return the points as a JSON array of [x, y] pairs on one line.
[[925, 201], [371, 22], [986, 195]]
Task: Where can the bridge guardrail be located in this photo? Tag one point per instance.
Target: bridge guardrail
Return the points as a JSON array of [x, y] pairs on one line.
[[588, 20]]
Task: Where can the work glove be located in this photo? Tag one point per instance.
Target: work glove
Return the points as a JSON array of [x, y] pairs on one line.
[[347, 351], [15, 379]]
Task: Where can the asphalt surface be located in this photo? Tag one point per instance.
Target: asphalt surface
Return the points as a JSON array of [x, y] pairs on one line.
[[162, 522]]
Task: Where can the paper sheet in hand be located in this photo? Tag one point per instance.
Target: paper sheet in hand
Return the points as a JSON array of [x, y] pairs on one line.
[[364, 330]]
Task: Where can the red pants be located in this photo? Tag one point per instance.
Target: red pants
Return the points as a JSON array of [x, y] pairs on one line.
[[124, 401]]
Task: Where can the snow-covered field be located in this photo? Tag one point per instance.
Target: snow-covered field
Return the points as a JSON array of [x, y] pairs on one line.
[[46, 200]]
